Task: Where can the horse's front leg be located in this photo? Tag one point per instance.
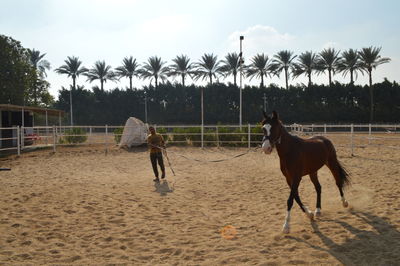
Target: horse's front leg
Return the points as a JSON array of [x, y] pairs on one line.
[[294, 185]]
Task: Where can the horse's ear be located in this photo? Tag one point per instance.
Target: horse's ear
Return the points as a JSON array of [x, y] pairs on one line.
[[265, 114], [275, 115]]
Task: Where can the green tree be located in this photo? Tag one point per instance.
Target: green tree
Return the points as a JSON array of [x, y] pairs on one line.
[[350, 63], [306, 64], [328, 60], [283, 61], [261, 66], [155, 69], [231, 66], [371, 59], [40, 65], [102, 72], [128, 69], [17, 75], [208, 67], [73, 69], [181, 67]]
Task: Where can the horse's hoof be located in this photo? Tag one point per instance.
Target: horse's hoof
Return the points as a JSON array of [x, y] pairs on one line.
[[345, 204], [286, 229], [317, 213], [310, 215]]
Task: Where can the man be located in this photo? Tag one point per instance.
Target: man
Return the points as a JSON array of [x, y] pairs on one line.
[[155, 141]]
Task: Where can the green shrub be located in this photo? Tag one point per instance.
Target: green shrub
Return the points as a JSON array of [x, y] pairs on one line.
[[118, 134], [71, 138]]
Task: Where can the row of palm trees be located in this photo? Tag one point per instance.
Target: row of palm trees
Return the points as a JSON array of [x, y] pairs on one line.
[[261, 66]]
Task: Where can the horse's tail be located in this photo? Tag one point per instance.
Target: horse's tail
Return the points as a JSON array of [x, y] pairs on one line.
[[340, 173], [344, 176]]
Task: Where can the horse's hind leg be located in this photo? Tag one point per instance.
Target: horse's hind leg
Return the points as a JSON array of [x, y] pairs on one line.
[[317, 185]]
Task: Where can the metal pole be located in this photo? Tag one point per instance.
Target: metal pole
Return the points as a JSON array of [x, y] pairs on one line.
[[216, 132], [265, 102], [369, 134], [240, 78], [202, 118], [105, 139], [18, 141], [248, 136], [47, 128], [70, 106], [145, 107], [351, 139], [54, 138]]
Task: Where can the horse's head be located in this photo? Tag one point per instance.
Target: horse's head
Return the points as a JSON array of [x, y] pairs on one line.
[[272, 129]]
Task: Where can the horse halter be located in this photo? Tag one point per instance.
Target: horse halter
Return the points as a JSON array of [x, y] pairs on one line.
[[273, 142]]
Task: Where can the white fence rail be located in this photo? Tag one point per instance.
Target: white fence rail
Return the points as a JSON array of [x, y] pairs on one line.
[[17, 139]]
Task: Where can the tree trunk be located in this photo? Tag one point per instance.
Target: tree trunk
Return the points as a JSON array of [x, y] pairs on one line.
[[70, 99], [234, 79], [309, 79], [101, 84], [130, 82], [210, 78], [156, 81], [286, 78], [330, 77], [262, 81], [183, 80], [371, 95], [351, 77]]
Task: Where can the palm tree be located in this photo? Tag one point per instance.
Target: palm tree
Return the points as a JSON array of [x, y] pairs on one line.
[[208, 67], [328, 60], [128, 69], [102, 72], [350, 63], [284, 61], [154, 68], [370, 59], [40, 65], [231, 66], [181, 67], [306, 64], [37, 61], [72, 68], [261, 66]]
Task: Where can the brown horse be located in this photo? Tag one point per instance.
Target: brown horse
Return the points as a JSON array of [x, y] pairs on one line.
[[300, 157]]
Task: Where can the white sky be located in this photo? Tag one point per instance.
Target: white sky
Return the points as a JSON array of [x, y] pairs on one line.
[[113, 29]]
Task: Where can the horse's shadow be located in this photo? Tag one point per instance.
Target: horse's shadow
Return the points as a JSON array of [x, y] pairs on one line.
[[379, 246], [163, 187]]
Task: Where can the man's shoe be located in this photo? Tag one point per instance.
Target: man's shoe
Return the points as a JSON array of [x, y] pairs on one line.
[[162, 175], [156, 179]]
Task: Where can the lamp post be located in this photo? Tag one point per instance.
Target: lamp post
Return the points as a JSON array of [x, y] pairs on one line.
[[240, 82], [145, 107], [70, 104], [265, 102]]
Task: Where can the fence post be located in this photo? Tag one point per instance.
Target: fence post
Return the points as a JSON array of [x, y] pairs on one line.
[[105, 139], [324, 129], [248, 135], [202, 136], [217, 137], [18, 141], [351, 138], [22, 130], [369, 134], [54, 138]]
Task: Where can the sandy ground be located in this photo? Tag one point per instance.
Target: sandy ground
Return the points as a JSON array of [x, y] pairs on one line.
[[82, 206]]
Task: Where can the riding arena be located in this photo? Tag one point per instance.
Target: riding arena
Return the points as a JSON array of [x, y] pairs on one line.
[[224, 201]]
